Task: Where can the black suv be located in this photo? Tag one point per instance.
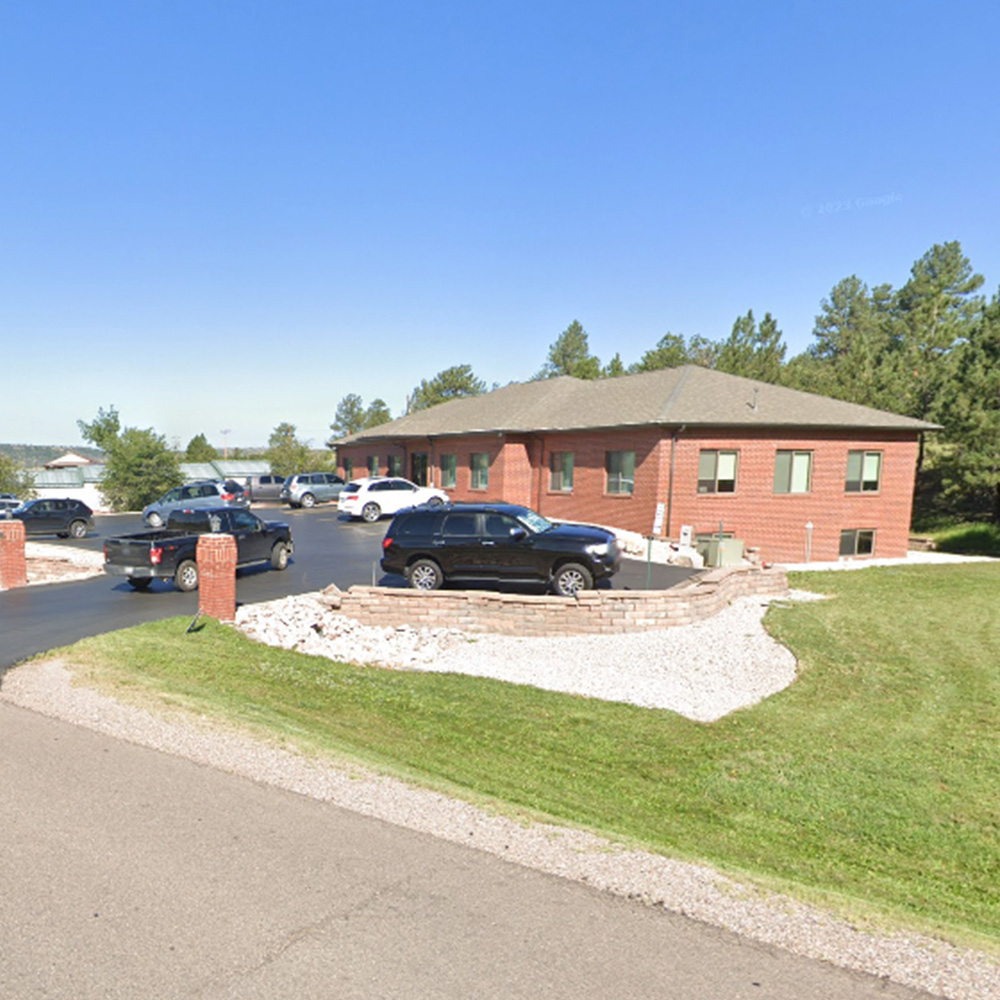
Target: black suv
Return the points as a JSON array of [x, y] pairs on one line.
[[496, 542], [54, 517]]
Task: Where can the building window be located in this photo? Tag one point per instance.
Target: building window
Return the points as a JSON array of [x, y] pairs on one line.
[[449, 467], [479, 463], [857, 542], [348, 468], [717, 471], [373, 465], [792, 471], [561, 471], [395, 465], [620, 468], [864, 471]]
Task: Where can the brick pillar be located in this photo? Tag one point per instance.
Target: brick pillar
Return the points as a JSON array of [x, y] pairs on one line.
[[216, 557], [13, 565]]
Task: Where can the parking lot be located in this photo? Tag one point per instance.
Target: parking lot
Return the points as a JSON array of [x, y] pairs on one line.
[[329, 548]]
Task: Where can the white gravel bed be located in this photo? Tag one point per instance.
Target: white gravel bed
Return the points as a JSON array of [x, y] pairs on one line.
[[48, 563], [695, 891], [703, 671]]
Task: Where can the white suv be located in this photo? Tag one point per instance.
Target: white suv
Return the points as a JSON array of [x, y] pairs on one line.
[[370, 498]]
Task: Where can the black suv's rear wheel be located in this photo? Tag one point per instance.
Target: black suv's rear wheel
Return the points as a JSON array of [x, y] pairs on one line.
[[571, 578], [425, 574]]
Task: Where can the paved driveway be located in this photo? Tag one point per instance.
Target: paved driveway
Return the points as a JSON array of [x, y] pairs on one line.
[[328, 549]]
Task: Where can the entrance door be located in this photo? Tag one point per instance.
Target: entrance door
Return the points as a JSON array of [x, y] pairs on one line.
[[418, 468]]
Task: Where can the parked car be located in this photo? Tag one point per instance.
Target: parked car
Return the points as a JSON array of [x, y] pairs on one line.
[[65, 518], [171, 553], [306, 489], [373, 496], [194, 496], [8, 502], [498, 543], [266, 487]]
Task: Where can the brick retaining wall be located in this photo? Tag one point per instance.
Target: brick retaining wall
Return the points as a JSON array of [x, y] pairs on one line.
[[593, 612]]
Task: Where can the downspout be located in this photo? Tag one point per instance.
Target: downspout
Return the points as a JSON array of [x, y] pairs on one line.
[[670, 485]]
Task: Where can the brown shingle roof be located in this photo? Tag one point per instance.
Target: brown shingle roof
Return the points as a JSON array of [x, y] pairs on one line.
[[671, 396]]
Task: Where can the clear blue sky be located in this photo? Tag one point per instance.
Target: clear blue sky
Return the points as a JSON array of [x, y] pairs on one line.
[[225, 214]]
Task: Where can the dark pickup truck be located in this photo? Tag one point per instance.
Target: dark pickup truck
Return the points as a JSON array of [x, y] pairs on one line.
[[170, 553]]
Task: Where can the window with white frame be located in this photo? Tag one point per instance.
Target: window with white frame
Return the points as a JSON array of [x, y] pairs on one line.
[[717, 471], [395, 465], [792, 471], [373, 465]]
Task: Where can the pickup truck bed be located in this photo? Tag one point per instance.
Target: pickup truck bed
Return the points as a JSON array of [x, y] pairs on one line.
[[171, 552]]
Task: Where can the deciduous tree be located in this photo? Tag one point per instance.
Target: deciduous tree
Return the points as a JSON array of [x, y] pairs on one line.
[[14, 478], [103, 430], [139, 468]]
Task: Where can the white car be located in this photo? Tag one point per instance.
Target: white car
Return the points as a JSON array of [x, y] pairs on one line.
[[372, 497]]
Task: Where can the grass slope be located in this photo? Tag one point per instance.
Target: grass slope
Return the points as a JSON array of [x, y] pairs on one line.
[[871, 783]]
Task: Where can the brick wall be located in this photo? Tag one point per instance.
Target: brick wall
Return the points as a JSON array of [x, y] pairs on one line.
[[776, 523], [594, 612], [773, 523]]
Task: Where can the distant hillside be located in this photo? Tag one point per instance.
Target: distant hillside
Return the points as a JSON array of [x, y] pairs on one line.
[[31, 456]]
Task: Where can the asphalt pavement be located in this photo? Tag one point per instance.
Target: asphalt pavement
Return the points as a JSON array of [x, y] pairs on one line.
[[130, 873], [133, 874], [329, 548]]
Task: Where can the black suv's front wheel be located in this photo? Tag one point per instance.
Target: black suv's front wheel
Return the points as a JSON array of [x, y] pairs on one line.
[[571, 578], [425, 574]]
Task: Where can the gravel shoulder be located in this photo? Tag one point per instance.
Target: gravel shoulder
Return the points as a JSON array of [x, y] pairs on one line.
[[693, 890]]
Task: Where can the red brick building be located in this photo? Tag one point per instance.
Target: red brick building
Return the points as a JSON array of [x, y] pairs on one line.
[[795, 475]]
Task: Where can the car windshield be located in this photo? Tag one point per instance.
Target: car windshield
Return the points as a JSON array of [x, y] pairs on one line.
[[534, 521]]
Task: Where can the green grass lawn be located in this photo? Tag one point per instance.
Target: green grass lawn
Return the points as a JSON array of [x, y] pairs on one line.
[[870, 785]]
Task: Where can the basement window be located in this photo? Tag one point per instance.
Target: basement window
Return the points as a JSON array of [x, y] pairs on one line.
[[857, 542]]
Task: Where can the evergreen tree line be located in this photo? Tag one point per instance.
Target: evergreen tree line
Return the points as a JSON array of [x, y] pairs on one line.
[[929, 350]]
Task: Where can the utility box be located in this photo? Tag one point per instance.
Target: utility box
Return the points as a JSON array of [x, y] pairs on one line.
[[720, 551]]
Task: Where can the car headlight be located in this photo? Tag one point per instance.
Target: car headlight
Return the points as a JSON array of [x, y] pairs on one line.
[[598, 549]]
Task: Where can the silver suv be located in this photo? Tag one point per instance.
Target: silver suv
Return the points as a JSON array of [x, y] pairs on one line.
[[306, 489], [194, 496]]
